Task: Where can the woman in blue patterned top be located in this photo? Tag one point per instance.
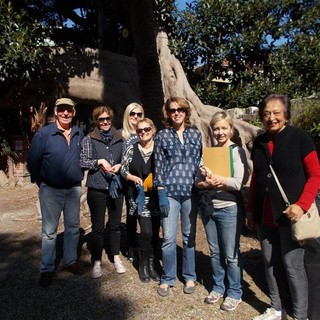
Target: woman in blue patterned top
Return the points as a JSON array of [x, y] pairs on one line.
[[178, 150]]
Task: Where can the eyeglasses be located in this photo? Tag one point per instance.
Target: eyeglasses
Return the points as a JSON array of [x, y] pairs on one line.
[[108, 119], [147, 129], [174, 110], [65, 108], [138, 114]]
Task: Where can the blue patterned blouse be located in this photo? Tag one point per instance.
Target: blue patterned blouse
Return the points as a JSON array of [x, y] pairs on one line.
[[176, 163]]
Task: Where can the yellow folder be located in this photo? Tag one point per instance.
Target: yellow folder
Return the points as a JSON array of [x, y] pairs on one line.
[[218, 160]]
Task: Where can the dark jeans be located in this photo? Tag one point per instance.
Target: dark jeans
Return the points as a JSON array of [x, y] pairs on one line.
[[99, 201], [149, 234], [312, 263]]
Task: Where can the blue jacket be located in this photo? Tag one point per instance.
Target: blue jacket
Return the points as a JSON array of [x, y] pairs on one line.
[[52, 161]]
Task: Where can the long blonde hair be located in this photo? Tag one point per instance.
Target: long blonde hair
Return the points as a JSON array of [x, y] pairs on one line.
[[127, 127]]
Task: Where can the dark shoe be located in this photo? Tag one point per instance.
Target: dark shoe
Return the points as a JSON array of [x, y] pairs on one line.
[[75, 268], [143, 266], [131, 255], [164, 290], [152, 271], [190, 289], [45, 279]]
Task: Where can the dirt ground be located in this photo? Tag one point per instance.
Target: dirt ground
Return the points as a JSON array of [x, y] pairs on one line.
[[113, 296]]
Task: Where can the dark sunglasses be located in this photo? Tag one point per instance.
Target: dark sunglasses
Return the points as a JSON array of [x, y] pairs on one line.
[[138, 114], [174, 110], [64, 108], [147, 129], [104, 119]]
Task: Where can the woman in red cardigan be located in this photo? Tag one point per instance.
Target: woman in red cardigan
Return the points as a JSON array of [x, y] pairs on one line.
[[293, 156]]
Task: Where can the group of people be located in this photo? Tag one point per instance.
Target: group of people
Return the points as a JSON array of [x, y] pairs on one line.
[[163, 180]]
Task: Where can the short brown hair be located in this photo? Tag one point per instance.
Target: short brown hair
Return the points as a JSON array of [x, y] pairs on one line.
[[98, 111]]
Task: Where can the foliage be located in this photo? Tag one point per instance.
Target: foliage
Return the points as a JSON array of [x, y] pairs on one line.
[[5, 149], [306, 115], [21, 46], [257, 122], [254, 46], [102, 24]]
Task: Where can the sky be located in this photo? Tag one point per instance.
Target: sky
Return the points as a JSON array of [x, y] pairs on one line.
[[182, 3]]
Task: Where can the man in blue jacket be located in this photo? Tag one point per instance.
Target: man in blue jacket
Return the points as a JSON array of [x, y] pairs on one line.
[[53, 163]]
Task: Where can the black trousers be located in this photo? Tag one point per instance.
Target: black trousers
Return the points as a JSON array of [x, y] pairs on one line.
[[149, 232], [99, 201]]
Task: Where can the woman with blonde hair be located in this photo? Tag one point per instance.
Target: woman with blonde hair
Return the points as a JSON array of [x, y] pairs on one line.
[[222, 213], [137, 168], [132, 114]]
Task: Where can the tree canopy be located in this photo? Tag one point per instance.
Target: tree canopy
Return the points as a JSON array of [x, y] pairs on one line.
[[246, 49], [22, 46], [241, 49]]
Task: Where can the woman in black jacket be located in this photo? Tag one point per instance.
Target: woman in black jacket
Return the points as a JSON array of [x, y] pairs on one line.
[[101, 152], [292, 155], [138, 168]]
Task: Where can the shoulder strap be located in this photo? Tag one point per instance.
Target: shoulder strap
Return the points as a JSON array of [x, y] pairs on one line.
[[283, 194]]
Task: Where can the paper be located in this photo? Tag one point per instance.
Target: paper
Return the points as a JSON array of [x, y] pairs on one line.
[[218, 160]]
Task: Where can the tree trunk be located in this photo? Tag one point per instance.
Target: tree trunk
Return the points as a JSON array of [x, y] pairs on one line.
[[147, 59], [175, 83]]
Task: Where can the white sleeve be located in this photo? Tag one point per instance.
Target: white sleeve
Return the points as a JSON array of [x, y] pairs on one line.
[[240, 167]]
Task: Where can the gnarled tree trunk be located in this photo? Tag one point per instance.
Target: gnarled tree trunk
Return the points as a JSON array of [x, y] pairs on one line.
[[175, 83]]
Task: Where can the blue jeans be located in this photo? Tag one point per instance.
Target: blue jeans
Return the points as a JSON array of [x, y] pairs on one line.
[[277, 246], [223, 228], [52, 202], [186, 208]]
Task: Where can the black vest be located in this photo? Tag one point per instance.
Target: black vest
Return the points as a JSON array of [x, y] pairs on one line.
[[137, 165]]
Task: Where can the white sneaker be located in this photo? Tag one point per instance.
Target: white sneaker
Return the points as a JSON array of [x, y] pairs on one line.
[[230, 304], [118, 265], [272, 314], [96, 270], [213, 297]]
